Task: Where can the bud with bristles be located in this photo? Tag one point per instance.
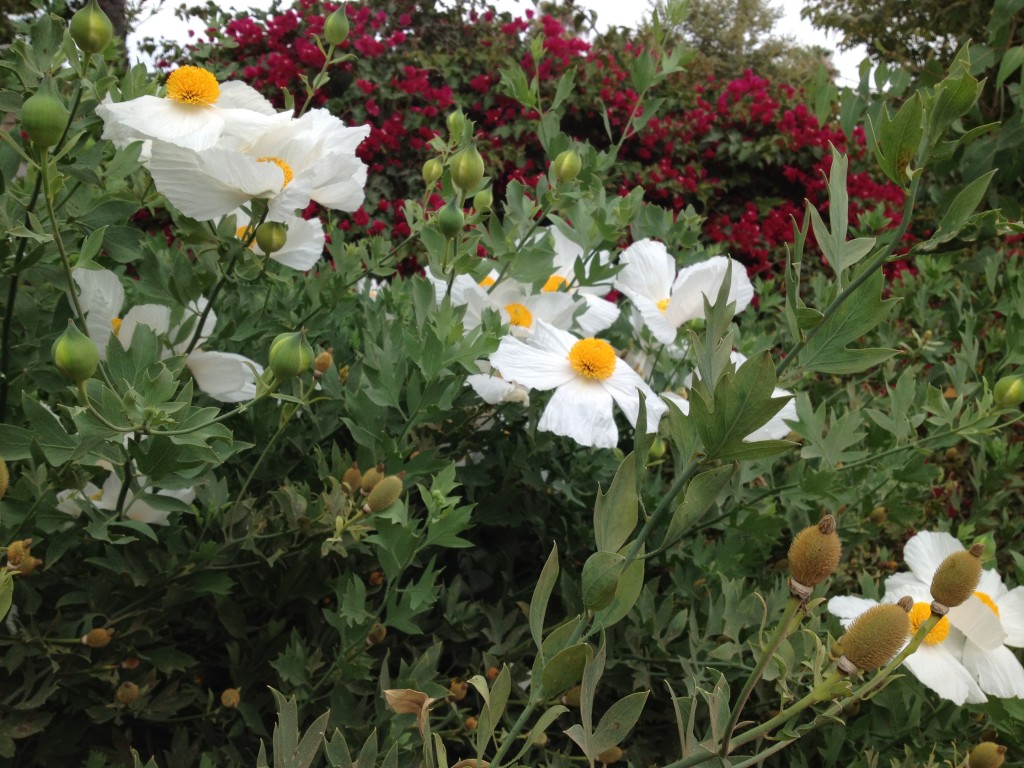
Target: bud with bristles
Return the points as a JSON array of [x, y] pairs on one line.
[[371, 477], [874, 638], [352, 478], [813, 555], [988, 754], [323, 362], [957, 577], [97, 638], [18, 552], [457, 690], [376, 634], [5, 477], [610, 755], [230, 698], [127, 693], [384, 494]]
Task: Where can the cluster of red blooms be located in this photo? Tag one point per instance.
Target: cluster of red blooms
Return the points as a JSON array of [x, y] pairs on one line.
[[745, 153]]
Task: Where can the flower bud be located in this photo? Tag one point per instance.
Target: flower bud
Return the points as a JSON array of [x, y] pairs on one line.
[[384, 494], [874, 638], [878, 515], [351, 479], [376, 578], [988, 754], [610, 755], [483, 199], [91, 28], [457, 690], [230, 698], [290, 355], [376, 634], [371, 477], [492, 673], [572, 697], [567, 165], [957, 577], [450, 220], [813, 555], [456, 121], [432, 170], [5, 478], [75, 355], [271, 236], [336, 27], [471, 723], [323, 362], [43, 118], [467, 168], [97, 638], [1009, 391], [126, 694], [28, 565], [18, 552]]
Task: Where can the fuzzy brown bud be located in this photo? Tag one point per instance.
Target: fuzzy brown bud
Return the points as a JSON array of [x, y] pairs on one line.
[[384, 494], [97, 638], [814, 554], [610, 755], [376, 634], [371, 477], [457, 690], [878, 515], [957, 577], [5, 477], [988, 754], [352, 478], [875, 637], [126, 694], [17, 552], [230, 698], [471, 723], [323, 362], [572, 697]]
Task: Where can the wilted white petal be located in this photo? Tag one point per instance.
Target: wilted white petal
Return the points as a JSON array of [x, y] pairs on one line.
[[224, 376]]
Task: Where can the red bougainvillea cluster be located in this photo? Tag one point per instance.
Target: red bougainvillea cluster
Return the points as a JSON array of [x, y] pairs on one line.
[[744, 153]]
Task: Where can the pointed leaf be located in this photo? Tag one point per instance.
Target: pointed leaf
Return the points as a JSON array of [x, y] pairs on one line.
[[541, 595], [700, 495], [615, 512], [618, 721]]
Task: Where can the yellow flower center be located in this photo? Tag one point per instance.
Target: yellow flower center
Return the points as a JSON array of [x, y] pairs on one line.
[[663, 305], [919, 614], [97, 496], [193, 85], [593, 359], [987, 600], [554, 283], [519, 315], [487, 282], [115, 323], [285, 168]]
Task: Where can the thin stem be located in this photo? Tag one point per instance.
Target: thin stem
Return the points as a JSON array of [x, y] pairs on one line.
[[874, 263], [197, 334], [819, 693], [659, 511], [790, 618], [44, 172], [123, 495], [517, 727]]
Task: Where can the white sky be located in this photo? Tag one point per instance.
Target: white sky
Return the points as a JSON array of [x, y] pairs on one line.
[[609, 13]]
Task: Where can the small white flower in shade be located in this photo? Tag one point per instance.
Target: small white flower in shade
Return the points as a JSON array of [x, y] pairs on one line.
[[494, 390], [307, 158], [599, 313], [936, 662], [666, 300], [587, 376], [197, 113], [518, 306], [225, 376], [135, 508], [775, 428], [990, 620]]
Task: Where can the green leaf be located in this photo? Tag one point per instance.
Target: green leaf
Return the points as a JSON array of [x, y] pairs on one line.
[[564, 670], [51, 437], [541, 595], [1012, 61], [566, 83], [615, 512], [6, 592], [626, 594], [700, 495], [542, 724], [962, 207], [600, 579], [901, 136], [618, 721]]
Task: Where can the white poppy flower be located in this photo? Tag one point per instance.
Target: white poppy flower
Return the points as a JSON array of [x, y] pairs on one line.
[[106, 498], [224, 376], [666, 300], [291, 163], [518, 306], [197, 113], [599, 313], [587, 377], [990, 620], [936, 662]]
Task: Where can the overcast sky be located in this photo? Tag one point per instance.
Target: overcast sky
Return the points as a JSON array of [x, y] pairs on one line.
[[609, 13]]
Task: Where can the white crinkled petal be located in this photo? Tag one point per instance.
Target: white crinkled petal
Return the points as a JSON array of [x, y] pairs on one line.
[[224, 376], [494, 390], [101, 295], [678, 401], [939, 670], [305, 244], [997, 670], [925, 551], [598, 316], [652, 316], [164, 120], [234, 94], [555, 309], [705, 279], [581, 410], [624, 385], [977, 621], [156, 316], [648, 271], [846, 608], [532, 366], [1011, 613]]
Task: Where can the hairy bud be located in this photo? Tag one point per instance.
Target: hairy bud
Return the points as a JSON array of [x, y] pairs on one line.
[[567, 165], [467, 168], [336, 27], [91, 28], [988, 754], [957, 577], [875, 637], [1009, 391], [97, 638], [290, 355], [371, 477], [126, 694], [432, 170], [813, 555], [384, 494], [230, 698], [352, 478]]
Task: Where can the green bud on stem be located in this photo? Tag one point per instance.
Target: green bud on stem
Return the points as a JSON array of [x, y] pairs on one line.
[[467, 168], [75, 355], [43, 118], [567, 165], [91, 28], [290, 355], [1009, 391], [336, 27], [271, 236]]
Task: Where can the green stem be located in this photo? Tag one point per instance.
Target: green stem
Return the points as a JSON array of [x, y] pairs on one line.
[[866, 273], [516, 729], [123, 495], [790, 619], [659, 511], [820, 692], [209, 302]]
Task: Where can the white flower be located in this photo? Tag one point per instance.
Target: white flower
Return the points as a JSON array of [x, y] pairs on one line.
[[225, 376], [599, 313], [134, 508], [494, 390], [587, 377], [990, 620], [518, 306], [197, 113], [936, 663], [303, 246], [665, 299], [291, 163]]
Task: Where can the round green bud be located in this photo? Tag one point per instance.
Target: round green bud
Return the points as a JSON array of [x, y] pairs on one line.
[[384, 494], [336, 27], [91, 28], [450, 220], [271, 236], [483, 199], [875, 637], [988, 754], [43, 118], [567, 165], [432, 170], [75, 355], [814, 552], [290, 355], [467, 167], [1009, 391], [957, 577], [456, 121]]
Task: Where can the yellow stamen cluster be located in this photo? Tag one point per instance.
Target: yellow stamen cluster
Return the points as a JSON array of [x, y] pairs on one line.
[[593, 359], [487, 282], [285, 168], [919, 614], [193, 85], [115, 323], [554, 283], [663, 305], [519, 315]]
